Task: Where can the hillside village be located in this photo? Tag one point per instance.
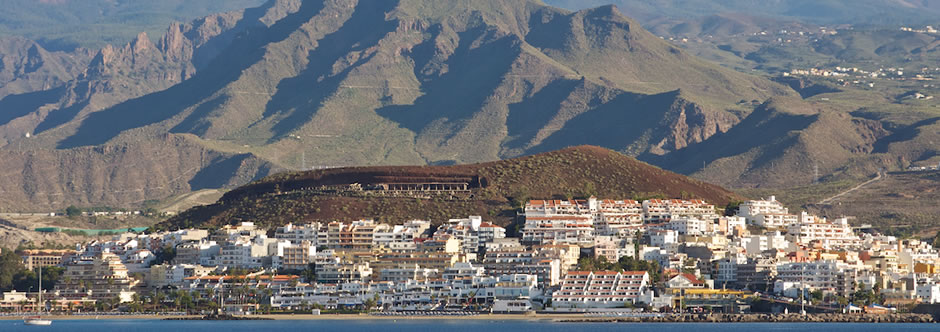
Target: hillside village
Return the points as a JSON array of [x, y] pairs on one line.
[[582, 255]]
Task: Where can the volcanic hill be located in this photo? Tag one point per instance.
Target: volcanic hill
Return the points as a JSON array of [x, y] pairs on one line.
[[494, 190]]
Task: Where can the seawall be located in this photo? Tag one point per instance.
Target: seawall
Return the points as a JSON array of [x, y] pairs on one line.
[[767, 318]]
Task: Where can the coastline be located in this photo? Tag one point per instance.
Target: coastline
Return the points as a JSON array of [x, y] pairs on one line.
[[562, 318], [495, 317]]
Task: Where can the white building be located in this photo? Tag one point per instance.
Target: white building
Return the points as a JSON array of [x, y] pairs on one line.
[[667, 209], [601, 289], [613, 248], [730, 224], [473, 233], [663, 237], [298, 233], [756, 244], [173, 275], [827, 276], [811, 229], [928, 293], [603, 216], [286, 255], [197, 253], [766, 213], [687, 226], [400, 236], [243, 253], [558, 229]]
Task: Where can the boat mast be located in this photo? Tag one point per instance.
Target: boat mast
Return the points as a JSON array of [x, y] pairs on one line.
[[40, 289]]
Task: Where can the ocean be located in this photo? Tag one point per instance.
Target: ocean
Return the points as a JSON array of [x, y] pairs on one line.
[[443, 325]]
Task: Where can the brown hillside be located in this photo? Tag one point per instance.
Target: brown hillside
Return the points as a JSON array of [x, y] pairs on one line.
[[496, 190]]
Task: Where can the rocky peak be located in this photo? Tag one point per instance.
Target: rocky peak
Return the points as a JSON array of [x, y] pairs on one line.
[[103, 59], [173, 41], [141, 44], [34, 59]]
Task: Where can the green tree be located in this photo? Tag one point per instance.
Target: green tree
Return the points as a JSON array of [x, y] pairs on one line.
[[165, 255], [624, 264], [10, 265], [158, 298], [72, 211], [816, 295], [25, 279], [369, 304]]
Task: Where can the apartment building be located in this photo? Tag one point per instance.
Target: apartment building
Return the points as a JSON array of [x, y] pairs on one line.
[[400, 236], [668, 209], [688, 226], [197, 253], [601, 289], [753, 208], [522, 261], [44, 257], [828, 276], [298, 233], [837, 232], [355, 236], [472, 232], [170, 275], [246, 253], [571, 229], [232, 232], [768, 213], [292, 256], [101, 277]]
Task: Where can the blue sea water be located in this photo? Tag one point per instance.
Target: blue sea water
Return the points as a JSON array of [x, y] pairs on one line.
[[443, 325]]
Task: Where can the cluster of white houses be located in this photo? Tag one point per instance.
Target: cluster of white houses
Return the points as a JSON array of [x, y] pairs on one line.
[[706, 258]]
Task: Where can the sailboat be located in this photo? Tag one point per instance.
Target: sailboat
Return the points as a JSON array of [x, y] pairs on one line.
[[37, 320]]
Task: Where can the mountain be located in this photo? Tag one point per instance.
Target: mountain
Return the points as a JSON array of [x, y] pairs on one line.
[[875, 12], [67, 24], [25, 66], [235, 96], [496, 189], [786, 141]]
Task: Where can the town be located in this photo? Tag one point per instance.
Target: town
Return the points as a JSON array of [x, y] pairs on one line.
[[594, 256]]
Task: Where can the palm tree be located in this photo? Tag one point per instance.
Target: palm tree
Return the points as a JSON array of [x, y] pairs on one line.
[[158, 298], [135, 302], [267, 295]]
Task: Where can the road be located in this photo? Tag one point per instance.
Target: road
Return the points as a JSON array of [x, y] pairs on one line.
[[830, 199]]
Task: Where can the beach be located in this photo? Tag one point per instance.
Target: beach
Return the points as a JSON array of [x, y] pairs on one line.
[[494, 317], [566, 318]]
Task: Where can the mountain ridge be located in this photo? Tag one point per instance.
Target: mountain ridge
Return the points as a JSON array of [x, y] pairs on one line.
[[396, 82]]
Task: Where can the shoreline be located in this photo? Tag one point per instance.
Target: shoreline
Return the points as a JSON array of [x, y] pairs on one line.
[[560, 318]]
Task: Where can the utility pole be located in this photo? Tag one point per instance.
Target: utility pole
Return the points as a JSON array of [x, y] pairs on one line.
[[802, 274], [815, 172]]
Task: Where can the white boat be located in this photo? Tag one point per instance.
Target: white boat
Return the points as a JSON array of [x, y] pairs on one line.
[[37, 320]]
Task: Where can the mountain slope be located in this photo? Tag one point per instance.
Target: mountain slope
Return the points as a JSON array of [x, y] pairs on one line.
[[495, 188], [66, 24], [25, 66], [814, 11], [786, 142], [345, 82]]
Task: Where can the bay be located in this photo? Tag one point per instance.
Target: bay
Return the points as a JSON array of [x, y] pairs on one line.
[[480, 325]]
